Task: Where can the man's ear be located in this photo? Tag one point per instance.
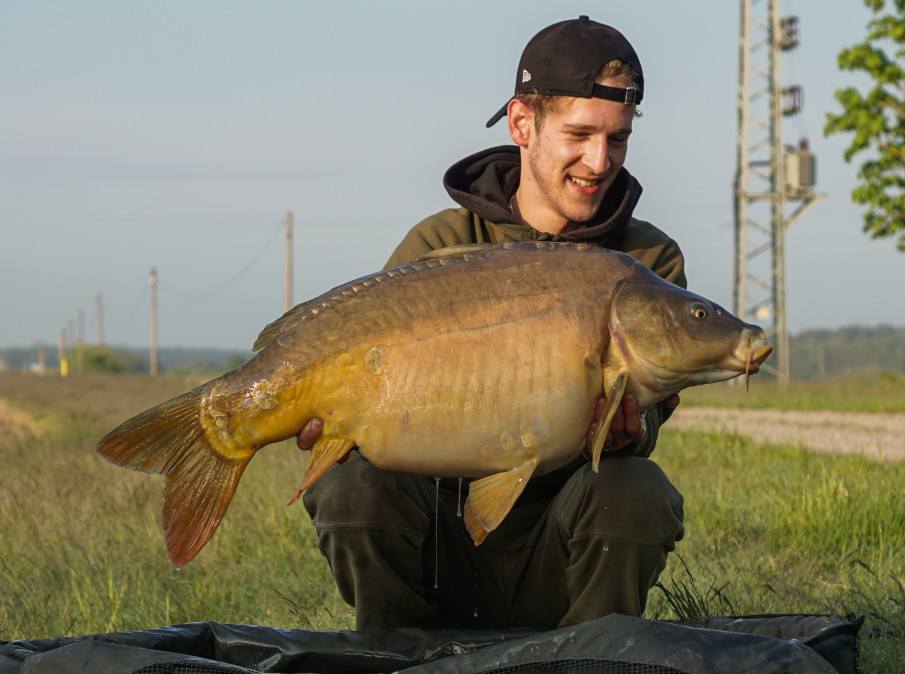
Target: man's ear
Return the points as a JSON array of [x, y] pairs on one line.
[[521, 122]]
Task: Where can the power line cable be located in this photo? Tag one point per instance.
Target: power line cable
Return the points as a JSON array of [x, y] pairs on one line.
[[134, 312], [230, 281]]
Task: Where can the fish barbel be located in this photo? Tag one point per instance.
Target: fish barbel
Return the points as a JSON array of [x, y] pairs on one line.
[[481, 362]]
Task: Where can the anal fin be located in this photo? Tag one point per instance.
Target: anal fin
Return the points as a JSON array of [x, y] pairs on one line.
[[613, 400], [491, 498], [324, 453]]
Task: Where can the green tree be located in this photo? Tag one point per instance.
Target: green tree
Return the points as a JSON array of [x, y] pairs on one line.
[[90, 358], [878, 120]]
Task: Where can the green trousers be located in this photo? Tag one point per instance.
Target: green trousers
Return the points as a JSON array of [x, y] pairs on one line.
[[576, 546]]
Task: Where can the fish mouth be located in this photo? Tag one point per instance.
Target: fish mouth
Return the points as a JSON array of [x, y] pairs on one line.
[[753, 362], [757, 351]]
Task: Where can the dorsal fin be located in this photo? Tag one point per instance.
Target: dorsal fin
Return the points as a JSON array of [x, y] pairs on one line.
[[307, 309], [277, 327]]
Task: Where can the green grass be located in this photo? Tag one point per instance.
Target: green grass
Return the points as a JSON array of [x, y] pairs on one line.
[[880, 393], [785, 530], [769, 530], [81, 550]]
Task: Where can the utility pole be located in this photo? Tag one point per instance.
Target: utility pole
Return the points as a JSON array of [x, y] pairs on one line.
[[288, 260], [768, 175], [61, 354], [100, 320], [153, 283]]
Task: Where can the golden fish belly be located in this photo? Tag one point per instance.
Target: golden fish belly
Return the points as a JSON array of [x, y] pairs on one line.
[[446, 405]]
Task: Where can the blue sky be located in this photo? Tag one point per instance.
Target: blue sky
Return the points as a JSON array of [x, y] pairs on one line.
[[176, 135]]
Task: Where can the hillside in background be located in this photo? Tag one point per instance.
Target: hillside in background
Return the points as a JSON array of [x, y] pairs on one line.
[[824, 354], [813, 355], [127, 359]]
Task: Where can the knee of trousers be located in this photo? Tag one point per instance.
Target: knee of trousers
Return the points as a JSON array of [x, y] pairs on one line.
[[357, 496], [630, 498]]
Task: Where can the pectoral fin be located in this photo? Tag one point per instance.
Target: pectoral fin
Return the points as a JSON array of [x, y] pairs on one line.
[[491, 498], [613, 399], [324, 453]]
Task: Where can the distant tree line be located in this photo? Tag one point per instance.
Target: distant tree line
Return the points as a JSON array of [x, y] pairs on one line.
[[823, 354], [92, 358]]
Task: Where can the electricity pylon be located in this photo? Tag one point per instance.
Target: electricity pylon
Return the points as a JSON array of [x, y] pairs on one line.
[[768, 174]]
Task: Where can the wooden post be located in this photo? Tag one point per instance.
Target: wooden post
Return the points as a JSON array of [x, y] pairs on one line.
[[61, 354], [288, 260], [153, 283], [100, 320]]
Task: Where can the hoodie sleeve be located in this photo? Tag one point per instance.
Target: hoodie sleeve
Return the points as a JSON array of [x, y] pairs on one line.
[[655, 250], [653, 419], [449, 227]]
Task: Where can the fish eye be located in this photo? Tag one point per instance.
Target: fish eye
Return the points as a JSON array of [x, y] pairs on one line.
[[699, 312]]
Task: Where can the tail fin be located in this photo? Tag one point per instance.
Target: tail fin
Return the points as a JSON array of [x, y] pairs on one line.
[[199, 480]]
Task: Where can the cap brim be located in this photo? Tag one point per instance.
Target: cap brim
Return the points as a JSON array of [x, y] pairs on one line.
[[499, 114]]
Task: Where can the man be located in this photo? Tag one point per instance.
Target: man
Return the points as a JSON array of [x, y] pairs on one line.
[[578, 544]]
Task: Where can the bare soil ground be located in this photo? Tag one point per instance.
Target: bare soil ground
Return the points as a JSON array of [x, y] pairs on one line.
[[874, 436]]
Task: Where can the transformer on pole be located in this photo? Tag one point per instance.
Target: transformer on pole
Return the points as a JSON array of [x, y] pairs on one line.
[[768, 175]]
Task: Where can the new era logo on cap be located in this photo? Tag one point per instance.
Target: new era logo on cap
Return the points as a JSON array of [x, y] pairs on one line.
[[526, 76]]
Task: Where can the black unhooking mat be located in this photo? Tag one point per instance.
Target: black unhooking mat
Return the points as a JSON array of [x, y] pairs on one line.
[[610, 645]]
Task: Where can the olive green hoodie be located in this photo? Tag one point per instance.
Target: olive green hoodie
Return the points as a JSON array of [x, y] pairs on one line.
[[484, 184]]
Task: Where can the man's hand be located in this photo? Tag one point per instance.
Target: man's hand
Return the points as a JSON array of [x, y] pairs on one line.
[[627, 425], [307, 436], [311, 431]]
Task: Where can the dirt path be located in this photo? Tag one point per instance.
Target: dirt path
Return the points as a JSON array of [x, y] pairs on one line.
[[876, 436]]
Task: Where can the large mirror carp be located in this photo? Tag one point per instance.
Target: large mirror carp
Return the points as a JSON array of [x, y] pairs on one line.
[[480, 362]]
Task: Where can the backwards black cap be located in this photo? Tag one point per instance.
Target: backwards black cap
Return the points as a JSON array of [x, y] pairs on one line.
[[564, 59]]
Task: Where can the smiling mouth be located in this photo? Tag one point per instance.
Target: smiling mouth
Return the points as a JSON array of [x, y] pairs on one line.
[[584, 183]]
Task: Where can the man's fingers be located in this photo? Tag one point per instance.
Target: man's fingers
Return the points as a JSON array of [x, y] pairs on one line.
[[600, 408], [631, 415], [307, 436]]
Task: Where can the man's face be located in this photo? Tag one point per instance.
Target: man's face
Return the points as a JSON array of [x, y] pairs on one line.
[[572, 161]]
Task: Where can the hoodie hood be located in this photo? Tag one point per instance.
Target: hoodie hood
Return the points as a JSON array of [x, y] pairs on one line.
[[486, 181]]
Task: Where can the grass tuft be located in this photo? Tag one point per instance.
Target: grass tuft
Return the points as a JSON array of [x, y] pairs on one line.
[[687, 601]]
